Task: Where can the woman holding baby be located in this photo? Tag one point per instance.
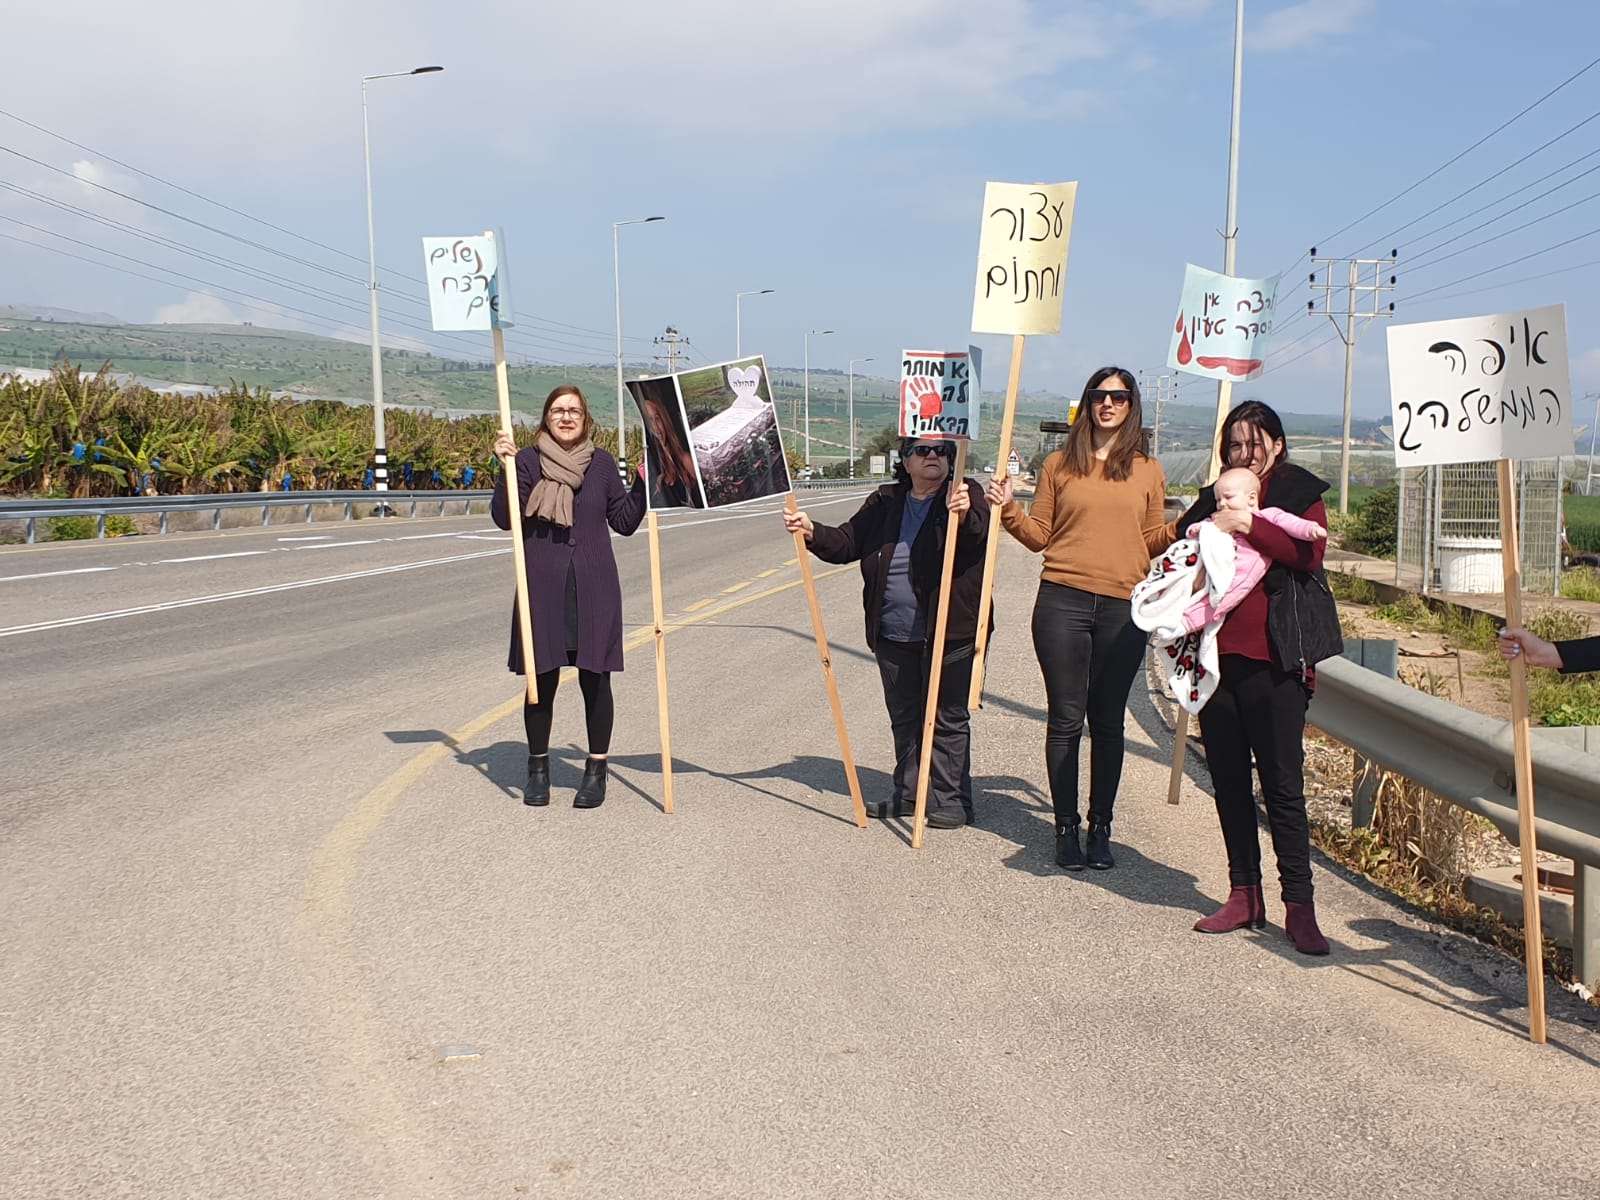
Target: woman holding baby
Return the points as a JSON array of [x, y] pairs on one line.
[[1268, 642]]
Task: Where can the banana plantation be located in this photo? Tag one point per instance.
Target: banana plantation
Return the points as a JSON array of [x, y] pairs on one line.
[[76, 435]]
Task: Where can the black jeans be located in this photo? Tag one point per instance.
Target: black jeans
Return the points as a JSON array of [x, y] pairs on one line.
[[1261, 710], [599, 709], [1089, 651], [905, 668]]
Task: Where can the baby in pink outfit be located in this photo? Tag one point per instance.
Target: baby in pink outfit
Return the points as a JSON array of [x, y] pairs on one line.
[[1238, 490]]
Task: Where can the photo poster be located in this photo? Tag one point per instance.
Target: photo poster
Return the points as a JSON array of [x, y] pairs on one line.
[[1224, 325], [1478, 389], [712, 436], [939, 393], [1022, 257], [469, 285]]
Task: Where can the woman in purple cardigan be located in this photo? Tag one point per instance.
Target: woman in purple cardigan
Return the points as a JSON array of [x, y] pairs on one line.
[[570, 493]]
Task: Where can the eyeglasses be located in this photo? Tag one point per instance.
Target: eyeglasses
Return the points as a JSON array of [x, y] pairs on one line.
[[1117, 396], [566, 412], [931, 451]]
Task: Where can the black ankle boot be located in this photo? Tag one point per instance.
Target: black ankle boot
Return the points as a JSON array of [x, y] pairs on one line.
[[1069, 854], [1097, 846], [592, 791], [537, 793]]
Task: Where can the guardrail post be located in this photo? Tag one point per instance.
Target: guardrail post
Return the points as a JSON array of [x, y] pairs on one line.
[[308, 514], [216, 521], [162, 528], [1383, 656], [347, 510], [1586, 925], [266, 515], [100, 526]]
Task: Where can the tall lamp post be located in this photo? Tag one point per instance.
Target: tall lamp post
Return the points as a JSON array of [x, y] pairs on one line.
[[853, 363], [380, 446], [738, 323], [809, 335], [616, 276]]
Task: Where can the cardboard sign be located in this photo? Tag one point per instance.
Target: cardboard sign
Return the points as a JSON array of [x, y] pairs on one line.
[[1224, 324], [1478, 389], [939, 393], [711, 436], [1022, 257], [468, 282]]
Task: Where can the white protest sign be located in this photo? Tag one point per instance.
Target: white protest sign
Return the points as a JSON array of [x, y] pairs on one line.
[[1022, 257], [1478, 389], [1224, 323], [468, 283], [939, 393]]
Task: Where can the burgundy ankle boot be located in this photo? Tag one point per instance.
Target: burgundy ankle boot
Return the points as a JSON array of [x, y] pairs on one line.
[[1245, 909], [1300, 920]]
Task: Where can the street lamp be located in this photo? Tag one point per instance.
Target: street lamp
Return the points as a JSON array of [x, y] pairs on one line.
[[809, 335], [616, 275], [738, 325], [380, 447], [853, 363]]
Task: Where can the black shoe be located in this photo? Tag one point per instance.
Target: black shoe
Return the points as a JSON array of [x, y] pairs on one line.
[[951, 816], [537, 792], [1069, 854], [884, 809], [1097, 847], [592, 791]]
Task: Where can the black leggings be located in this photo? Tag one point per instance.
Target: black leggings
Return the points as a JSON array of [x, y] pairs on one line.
[[1089, 651], [599, 712]]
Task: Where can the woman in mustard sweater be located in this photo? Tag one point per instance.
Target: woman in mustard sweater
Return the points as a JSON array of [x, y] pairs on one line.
[[1098, 517]]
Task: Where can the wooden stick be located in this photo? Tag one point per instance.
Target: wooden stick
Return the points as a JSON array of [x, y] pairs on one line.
[[804, 555], [936, 670], [1522, 747], [661, 660], [992, 550], [1180, 726], [519, 555]]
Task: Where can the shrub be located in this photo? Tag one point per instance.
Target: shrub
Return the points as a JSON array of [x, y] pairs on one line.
[[1558, 625], [1352, 588], [70, 529], [121, 527], [1372, 529], [1581, 583], [1409, 609]]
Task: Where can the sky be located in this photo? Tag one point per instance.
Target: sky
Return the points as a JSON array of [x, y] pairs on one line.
[[833, 151]]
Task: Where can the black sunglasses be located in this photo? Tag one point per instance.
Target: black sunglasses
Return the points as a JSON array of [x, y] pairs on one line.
[[930, 451], [1117, 396]]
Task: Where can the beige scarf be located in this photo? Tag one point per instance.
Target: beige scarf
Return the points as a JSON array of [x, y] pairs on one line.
[[551, 498]]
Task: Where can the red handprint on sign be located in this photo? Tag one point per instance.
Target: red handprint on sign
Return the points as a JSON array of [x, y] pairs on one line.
[[919, 397]]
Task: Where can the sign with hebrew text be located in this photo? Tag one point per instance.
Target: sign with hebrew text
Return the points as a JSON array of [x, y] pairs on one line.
[[1224, 324], [1022, 257], [1477, 389], [939, 393], [468, 284]]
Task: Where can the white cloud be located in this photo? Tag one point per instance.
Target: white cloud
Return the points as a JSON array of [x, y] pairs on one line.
[[1305, 24], [197, 309]]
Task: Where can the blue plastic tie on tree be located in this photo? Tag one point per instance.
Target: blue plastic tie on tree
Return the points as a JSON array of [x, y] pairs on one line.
[[288, 481], [78, 451]]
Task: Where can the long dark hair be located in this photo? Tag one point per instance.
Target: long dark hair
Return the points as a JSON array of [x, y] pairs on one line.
[[1127, 444], [1264, 425]]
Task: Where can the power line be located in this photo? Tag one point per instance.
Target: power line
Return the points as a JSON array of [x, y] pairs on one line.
[[1497, 237], [1513, 262]]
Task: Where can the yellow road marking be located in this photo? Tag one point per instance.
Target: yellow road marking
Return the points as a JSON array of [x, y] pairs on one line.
[[738, 587], [793, 562], [698, 605], [769, 574]]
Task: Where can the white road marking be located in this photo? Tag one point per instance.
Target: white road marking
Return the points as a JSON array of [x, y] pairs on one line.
[[165, 606], [48, 574], [336, 545], [422, 537], [484, 537], [310, 537], [209, 557]]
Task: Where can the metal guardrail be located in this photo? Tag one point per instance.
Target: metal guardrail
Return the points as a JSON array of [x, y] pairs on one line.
[[30, 512], [1467, 758]]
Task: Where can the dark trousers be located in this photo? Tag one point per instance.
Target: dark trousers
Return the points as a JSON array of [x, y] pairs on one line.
[[1089, 651], [1260, 710], [599, 709], [905, 668]]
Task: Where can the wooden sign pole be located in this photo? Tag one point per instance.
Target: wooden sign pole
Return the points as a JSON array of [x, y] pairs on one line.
[[804, 556], [1522, 747], [514, 507], [1180, 724], [992, 550], [661, 660], [936, 670]]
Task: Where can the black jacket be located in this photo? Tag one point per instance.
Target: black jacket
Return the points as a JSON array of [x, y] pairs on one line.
[[1580, 655], [870, 537], [1302, 617]]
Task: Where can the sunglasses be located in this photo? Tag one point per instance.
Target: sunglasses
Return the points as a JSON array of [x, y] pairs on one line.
[[932, 451], [1118, 396]]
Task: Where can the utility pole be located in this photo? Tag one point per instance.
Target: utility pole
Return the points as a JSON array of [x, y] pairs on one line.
[[1363, 302], [1162, 387], [671, 340]]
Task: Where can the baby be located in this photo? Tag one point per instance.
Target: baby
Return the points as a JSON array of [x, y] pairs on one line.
[[1238, 490]]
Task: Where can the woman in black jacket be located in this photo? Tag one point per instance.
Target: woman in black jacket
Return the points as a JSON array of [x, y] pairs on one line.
[[899, 536], [1267, 648]]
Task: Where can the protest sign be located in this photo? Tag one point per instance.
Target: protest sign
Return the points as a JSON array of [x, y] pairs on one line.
[[1477, 389], [468, 282], [1224, 324], [939, 393], [1022, 257]]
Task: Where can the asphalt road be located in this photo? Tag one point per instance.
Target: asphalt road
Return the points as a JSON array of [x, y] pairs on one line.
[[263, 863]]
